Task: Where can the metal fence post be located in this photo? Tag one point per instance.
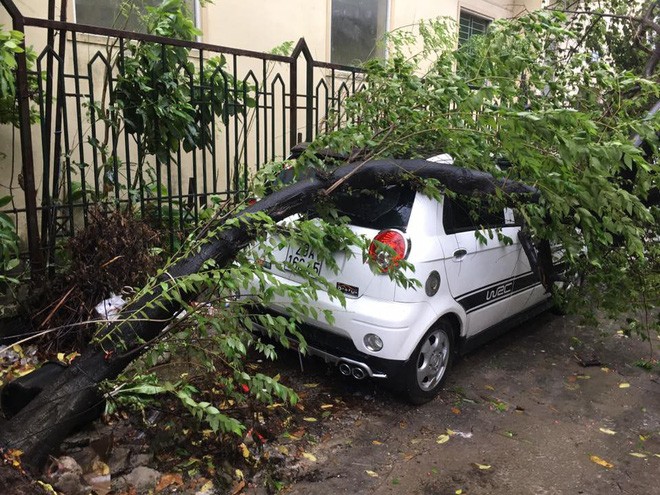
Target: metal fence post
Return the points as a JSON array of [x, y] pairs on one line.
[[301, 47], [34, 248], [293, 95]]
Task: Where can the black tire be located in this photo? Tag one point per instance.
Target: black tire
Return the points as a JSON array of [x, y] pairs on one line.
[[429, 365]]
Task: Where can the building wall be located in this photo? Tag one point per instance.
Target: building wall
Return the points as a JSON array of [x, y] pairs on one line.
[[262, 25], [258, 25]]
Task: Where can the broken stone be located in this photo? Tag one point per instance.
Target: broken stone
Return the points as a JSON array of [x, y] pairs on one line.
[[142, 478], [141, 459], [118, 462], [66, 476]]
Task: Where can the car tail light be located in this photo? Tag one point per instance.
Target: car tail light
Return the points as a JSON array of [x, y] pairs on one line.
[[387, 248]]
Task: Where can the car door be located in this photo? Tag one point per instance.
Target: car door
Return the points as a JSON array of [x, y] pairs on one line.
[[481, 264]]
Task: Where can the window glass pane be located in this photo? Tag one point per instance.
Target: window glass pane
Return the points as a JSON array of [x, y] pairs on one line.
[[469, 25], [119, 14], [356, 26], [460, 215], [386, 208]]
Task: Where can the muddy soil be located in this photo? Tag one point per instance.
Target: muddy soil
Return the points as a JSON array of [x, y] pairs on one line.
[[521, 415]]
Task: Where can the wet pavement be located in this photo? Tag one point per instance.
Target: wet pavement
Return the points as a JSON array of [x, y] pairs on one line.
[[521, 415]]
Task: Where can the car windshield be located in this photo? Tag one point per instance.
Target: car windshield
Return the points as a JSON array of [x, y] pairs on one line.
[[388, 207]]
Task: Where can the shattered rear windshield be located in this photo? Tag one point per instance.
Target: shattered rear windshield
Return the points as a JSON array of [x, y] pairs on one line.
[[388, 207]]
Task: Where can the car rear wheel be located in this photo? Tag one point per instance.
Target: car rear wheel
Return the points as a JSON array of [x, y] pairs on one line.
[[428, 367]]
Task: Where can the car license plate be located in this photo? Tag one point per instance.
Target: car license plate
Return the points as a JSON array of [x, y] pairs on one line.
[[299, 255]]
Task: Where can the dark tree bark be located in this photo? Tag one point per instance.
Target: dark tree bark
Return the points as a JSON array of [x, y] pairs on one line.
[[44, 423]]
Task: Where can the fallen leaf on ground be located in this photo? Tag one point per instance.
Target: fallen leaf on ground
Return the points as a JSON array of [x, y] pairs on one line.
[[47, 487], [482, 466], [624, 385], [168, 479], [206, 487], [455, 410], [601, 462], [376, 442], [244, 450], [296, 435], [238, 487], [638, 454], [311, 385], [373, 474], [326, 406], [310, 420], [100, 468], [308, 456], [442, 439], [489, 387], [607, 431]]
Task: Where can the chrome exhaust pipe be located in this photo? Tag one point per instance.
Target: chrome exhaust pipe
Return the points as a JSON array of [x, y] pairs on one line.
[[359, 373], [345, 369], [356, 369]]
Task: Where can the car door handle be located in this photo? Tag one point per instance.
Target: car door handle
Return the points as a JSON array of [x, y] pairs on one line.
[[460, 253]]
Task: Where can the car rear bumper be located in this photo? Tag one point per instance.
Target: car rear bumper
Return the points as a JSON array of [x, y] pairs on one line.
[[400, 325], [340, 351]]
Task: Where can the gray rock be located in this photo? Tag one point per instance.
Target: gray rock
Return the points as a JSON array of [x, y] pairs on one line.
[[71, 484], [143, 478], [66, 476], [141, 460], [118, 462]]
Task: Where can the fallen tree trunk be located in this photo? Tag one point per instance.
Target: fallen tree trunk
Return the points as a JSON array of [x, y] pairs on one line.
[[73, 397]]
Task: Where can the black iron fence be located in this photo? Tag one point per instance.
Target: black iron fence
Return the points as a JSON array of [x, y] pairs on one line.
[[98, 144]]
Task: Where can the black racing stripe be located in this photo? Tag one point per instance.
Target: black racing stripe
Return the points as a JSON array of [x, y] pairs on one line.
[[489, 286], [492, 293], [524, 281]]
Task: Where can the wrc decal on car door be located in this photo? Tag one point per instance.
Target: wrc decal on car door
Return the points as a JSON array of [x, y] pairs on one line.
[[484, 296]]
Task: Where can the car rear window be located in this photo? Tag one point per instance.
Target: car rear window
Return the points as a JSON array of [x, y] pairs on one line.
[[388, 207]]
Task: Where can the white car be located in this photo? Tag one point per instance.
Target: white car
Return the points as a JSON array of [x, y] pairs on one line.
[[471, 287]]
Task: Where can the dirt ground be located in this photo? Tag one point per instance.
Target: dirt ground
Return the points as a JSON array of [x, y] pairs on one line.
[[550, 408], [520, 415]]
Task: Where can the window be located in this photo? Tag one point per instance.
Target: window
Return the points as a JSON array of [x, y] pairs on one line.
[[356, 27], [470, 25], [389, 207], [119, 14], [461, 215]]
